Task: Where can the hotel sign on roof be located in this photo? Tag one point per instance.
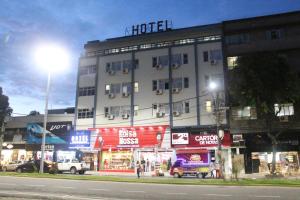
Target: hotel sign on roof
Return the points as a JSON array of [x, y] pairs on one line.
[[151, 27]]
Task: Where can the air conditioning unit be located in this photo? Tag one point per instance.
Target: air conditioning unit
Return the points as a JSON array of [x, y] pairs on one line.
[[175, 90], [125, 116], [125, 94], [111, 72], [176, 113], [213, 62], [125, 71], [160, 114], [111, 95], [175, 65], [159, 66], [111, 117], [284, 118], [159, 92]]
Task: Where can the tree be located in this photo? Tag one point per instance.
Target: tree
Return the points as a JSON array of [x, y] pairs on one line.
[[263, 80], [33, 113], [5, 111]]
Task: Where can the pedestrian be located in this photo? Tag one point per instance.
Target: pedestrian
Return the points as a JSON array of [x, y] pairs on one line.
[[138, 169], [212, 169], [143, 165], [147, 165]]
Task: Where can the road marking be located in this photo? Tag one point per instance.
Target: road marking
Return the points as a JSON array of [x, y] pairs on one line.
[[8, 184], [36, 185], [267, 196], [219, 195], [65, 187], [176, 193], [135, 191], [99, 189]]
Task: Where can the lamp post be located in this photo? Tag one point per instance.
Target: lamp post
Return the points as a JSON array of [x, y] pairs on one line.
[[52, 58], [213, 87]]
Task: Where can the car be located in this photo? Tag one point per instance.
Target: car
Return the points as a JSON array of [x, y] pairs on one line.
[[33, 166], [11, 166]]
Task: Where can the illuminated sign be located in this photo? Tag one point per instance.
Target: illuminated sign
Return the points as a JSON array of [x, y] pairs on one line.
[[80, 139], [128, 137], [150, 27], [180, 138]]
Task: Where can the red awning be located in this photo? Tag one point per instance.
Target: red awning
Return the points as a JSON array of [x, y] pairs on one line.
[[179, 151]]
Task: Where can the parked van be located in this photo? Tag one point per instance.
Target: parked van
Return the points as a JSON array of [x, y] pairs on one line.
[[191, 164]]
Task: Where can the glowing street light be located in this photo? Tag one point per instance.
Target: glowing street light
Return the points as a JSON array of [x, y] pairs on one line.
[[52, 58]]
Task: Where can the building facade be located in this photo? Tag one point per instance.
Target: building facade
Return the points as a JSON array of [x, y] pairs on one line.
[[150, 81], [275, 33]]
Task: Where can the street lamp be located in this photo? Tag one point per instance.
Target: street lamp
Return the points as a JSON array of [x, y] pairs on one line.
[[213, 88], [52, 58]]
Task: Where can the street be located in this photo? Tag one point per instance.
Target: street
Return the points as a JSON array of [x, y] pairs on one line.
[[42, 188]]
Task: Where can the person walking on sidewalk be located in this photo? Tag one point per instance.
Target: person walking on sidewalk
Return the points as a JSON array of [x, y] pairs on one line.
[[138, 169]]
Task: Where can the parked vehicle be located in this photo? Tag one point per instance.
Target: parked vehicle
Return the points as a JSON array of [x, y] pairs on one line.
[[33, 166], [73, 166], [11, 166], [191, 164]]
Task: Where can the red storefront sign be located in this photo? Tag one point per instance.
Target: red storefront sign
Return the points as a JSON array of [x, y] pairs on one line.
[[129, 137], [198, 140]]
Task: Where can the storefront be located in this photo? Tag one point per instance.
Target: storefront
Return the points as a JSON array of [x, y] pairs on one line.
[[259, 155], [120, 148], [202, 146], [16, 153]]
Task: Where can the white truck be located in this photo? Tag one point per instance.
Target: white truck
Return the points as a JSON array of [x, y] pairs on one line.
[[73, 166]]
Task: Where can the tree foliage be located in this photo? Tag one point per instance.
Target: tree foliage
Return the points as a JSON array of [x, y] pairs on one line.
[[262, 80], [5, 110]]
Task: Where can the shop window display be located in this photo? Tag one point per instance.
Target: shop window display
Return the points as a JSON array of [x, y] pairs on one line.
[[117, 160], [286, 162]]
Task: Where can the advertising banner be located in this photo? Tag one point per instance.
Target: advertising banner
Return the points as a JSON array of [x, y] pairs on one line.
[[56, 133], [80, 139], [199, 140], [130, 137], [194, 158]]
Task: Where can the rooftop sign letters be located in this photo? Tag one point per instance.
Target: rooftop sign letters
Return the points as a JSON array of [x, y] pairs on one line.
[[150, 27]]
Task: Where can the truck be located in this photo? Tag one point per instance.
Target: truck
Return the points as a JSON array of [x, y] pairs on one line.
[[70, 165], [191, 164]]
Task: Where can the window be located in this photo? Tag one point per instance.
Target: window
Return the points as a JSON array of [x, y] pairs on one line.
[[177, 107], [85, 113], [127, 65], [187, 107], [244, 113], [284, 109], [205, 56], [107, 89], [176, 59], [87, 91], [185, 59], [126, 88], [208, 106], [125, 110], [136, 108], [215, 55], [238, 38], [107, 67], [274, 34], [136, 87], [232, 62], [166, 85], [162, 84], [154, 85], [186, 82], [115, 111], [91, 69], [163, 60], [106, 111], [177, 83], [154, 61], [206, 80]]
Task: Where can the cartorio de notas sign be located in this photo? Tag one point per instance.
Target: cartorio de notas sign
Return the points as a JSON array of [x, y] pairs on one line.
[[151, 27]]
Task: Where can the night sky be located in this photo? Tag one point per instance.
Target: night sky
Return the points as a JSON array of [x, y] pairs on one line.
[[72, 23]]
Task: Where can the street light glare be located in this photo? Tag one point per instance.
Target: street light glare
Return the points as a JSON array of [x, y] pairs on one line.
[[213, 85], [51, 57]]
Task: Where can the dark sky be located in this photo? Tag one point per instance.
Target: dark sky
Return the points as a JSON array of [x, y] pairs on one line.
[[74, 22]]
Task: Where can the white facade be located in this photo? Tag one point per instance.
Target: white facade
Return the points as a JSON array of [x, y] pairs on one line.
[[197, 49]]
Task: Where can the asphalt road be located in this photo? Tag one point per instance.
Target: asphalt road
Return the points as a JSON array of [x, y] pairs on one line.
[[38, 188]]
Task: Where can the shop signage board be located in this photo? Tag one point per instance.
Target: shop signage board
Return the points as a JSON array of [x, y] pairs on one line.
[[199, 140], [56, 133], [130, 137], [80, 139]]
